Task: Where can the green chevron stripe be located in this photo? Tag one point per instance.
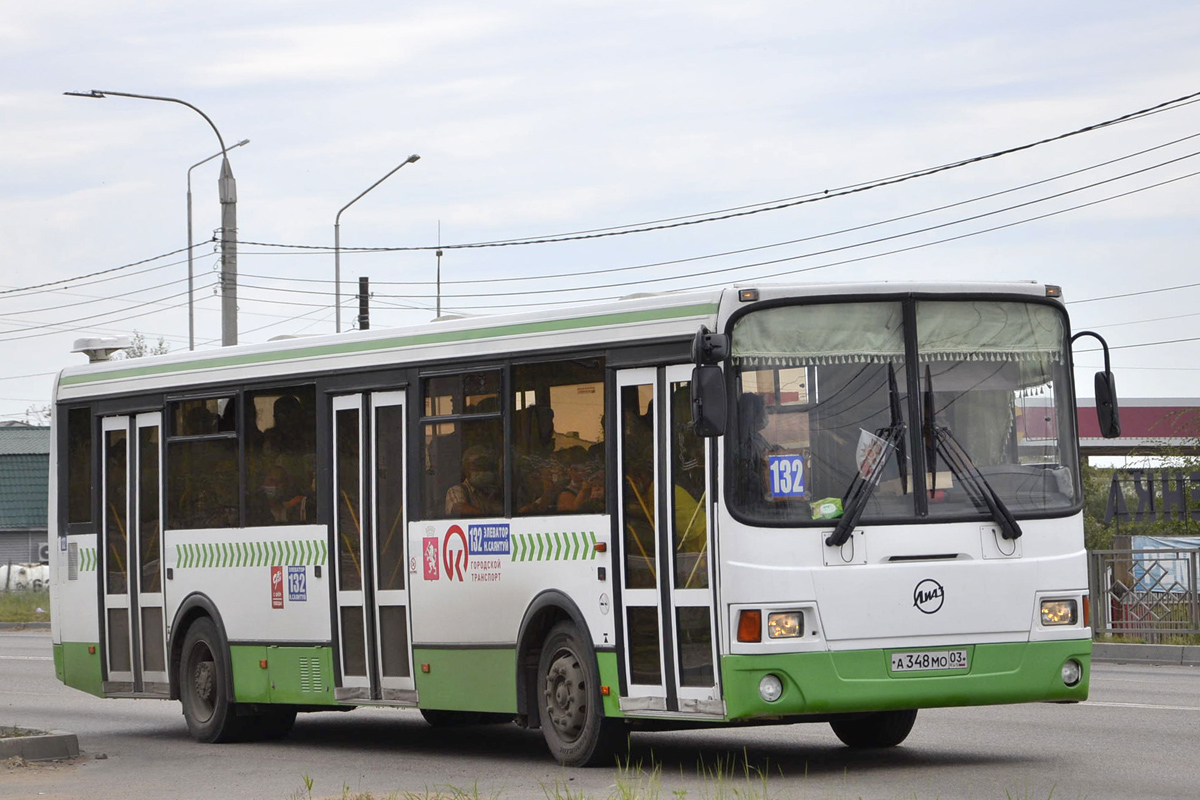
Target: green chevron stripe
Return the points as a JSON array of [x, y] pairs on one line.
[[235, 555], [553, 546]]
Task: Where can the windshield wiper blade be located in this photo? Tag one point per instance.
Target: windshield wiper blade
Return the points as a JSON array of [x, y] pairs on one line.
[[898, 419], [964, 469], [928, 416], [855, 501]]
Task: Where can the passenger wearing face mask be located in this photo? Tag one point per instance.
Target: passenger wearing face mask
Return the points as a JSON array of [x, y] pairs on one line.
[[479, 493]]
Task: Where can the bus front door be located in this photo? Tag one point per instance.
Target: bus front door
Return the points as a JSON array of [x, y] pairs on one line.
[[668, 630], [372, 621], [132, 621]]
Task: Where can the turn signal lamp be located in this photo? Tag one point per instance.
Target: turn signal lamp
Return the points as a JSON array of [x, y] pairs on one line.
[[785, 624], [749, 625], [1059, 612]]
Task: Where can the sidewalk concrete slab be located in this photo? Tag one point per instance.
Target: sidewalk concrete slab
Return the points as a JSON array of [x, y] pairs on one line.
[[1162, 654], [48, 746]]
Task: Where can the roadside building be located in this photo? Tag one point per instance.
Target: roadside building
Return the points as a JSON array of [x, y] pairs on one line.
[[24, 491]]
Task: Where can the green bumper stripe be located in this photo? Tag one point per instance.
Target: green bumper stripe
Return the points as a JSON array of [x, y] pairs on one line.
[[861, 680], [78, 668], [291, 675], [467, 679]]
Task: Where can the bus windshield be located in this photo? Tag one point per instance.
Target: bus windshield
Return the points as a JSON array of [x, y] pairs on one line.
[[827, 394]]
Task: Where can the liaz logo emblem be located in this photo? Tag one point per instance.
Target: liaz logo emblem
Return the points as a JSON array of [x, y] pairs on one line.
[[928, 596]]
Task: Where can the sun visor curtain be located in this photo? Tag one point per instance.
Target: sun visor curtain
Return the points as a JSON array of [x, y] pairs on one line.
[[988, 330], [846, 333], [834, 333]]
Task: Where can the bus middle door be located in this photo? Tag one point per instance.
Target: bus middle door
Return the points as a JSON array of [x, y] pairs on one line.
[[132, 578], [372, 620], [667, 599]]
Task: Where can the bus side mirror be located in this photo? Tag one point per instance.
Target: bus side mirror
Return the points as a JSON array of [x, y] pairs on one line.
[[708, 401], [1107, 412], [709, 347]]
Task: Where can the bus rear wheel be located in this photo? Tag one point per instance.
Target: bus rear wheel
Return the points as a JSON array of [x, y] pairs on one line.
[[572, 713], [204, 687], [880, 729]]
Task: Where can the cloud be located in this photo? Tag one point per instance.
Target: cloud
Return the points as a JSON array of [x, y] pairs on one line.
[[350, 51]]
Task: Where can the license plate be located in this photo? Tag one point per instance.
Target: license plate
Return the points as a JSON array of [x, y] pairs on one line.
[[929, 660]]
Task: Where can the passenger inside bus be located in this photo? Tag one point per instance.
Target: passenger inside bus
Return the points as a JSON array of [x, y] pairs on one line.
[[479, 493]]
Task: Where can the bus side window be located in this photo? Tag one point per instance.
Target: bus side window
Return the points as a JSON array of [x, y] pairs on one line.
[[463, 440], [79, 472], [281, 456], [203, 477], [558, 437]]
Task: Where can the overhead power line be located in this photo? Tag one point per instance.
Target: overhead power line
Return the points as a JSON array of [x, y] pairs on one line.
[[124, 314], [99, 272], [741, 251], [759, 208]]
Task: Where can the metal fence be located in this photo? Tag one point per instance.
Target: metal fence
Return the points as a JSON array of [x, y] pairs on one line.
[[1145, 594]]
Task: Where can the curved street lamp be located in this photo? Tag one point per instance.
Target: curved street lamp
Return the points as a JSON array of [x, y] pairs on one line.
[[337, 243], [227, 189]]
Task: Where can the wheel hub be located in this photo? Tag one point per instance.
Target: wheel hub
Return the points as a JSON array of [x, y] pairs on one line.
[[566, 699], [203, 683]]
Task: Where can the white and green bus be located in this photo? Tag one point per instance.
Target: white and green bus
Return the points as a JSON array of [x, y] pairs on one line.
[[830, 503]]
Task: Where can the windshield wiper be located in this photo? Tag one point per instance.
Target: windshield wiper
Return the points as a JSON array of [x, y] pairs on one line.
[[964, 469], [939, 439], [859, 492]]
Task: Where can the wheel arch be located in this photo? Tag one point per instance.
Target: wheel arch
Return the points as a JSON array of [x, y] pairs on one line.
[[547, 609], [196, 606]]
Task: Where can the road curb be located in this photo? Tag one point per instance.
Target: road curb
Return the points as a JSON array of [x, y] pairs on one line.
[[24, 626], [1158, 654], [49, 746]]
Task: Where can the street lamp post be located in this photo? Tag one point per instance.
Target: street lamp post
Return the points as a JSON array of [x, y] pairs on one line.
[[227, 189], [191, 309], [337, 243]]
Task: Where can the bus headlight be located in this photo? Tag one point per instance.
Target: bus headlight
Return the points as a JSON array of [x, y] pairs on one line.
[[1071, 672], [770, 688], [785, 624], [1059, 612]]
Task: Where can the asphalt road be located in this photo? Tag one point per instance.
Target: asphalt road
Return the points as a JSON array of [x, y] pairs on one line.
[[1136, 738]]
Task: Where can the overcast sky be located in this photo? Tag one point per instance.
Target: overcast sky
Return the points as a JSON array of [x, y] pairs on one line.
[[538, 119]]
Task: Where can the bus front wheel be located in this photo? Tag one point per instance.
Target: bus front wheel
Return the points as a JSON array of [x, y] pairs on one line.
[[572, 713], [880, 729], [204, 686]]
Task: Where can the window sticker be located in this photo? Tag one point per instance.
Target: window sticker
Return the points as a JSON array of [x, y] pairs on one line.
[[787, 476], [298, 583], [869, 453]]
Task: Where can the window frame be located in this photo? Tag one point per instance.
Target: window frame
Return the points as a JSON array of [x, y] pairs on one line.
[[908, 301]]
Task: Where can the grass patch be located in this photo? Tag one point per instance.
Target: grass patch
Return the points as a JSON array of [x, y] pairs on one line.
[[18, 732], [23, 606]]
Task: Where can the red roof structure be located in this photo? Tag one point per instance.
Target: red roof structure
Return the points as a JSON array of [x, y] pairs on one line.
[[1149, 426]]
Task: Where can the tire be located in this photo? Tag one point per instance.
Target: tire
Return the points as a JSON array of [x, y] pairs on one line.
[[571, 711], [881, 729], [204, 684]]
